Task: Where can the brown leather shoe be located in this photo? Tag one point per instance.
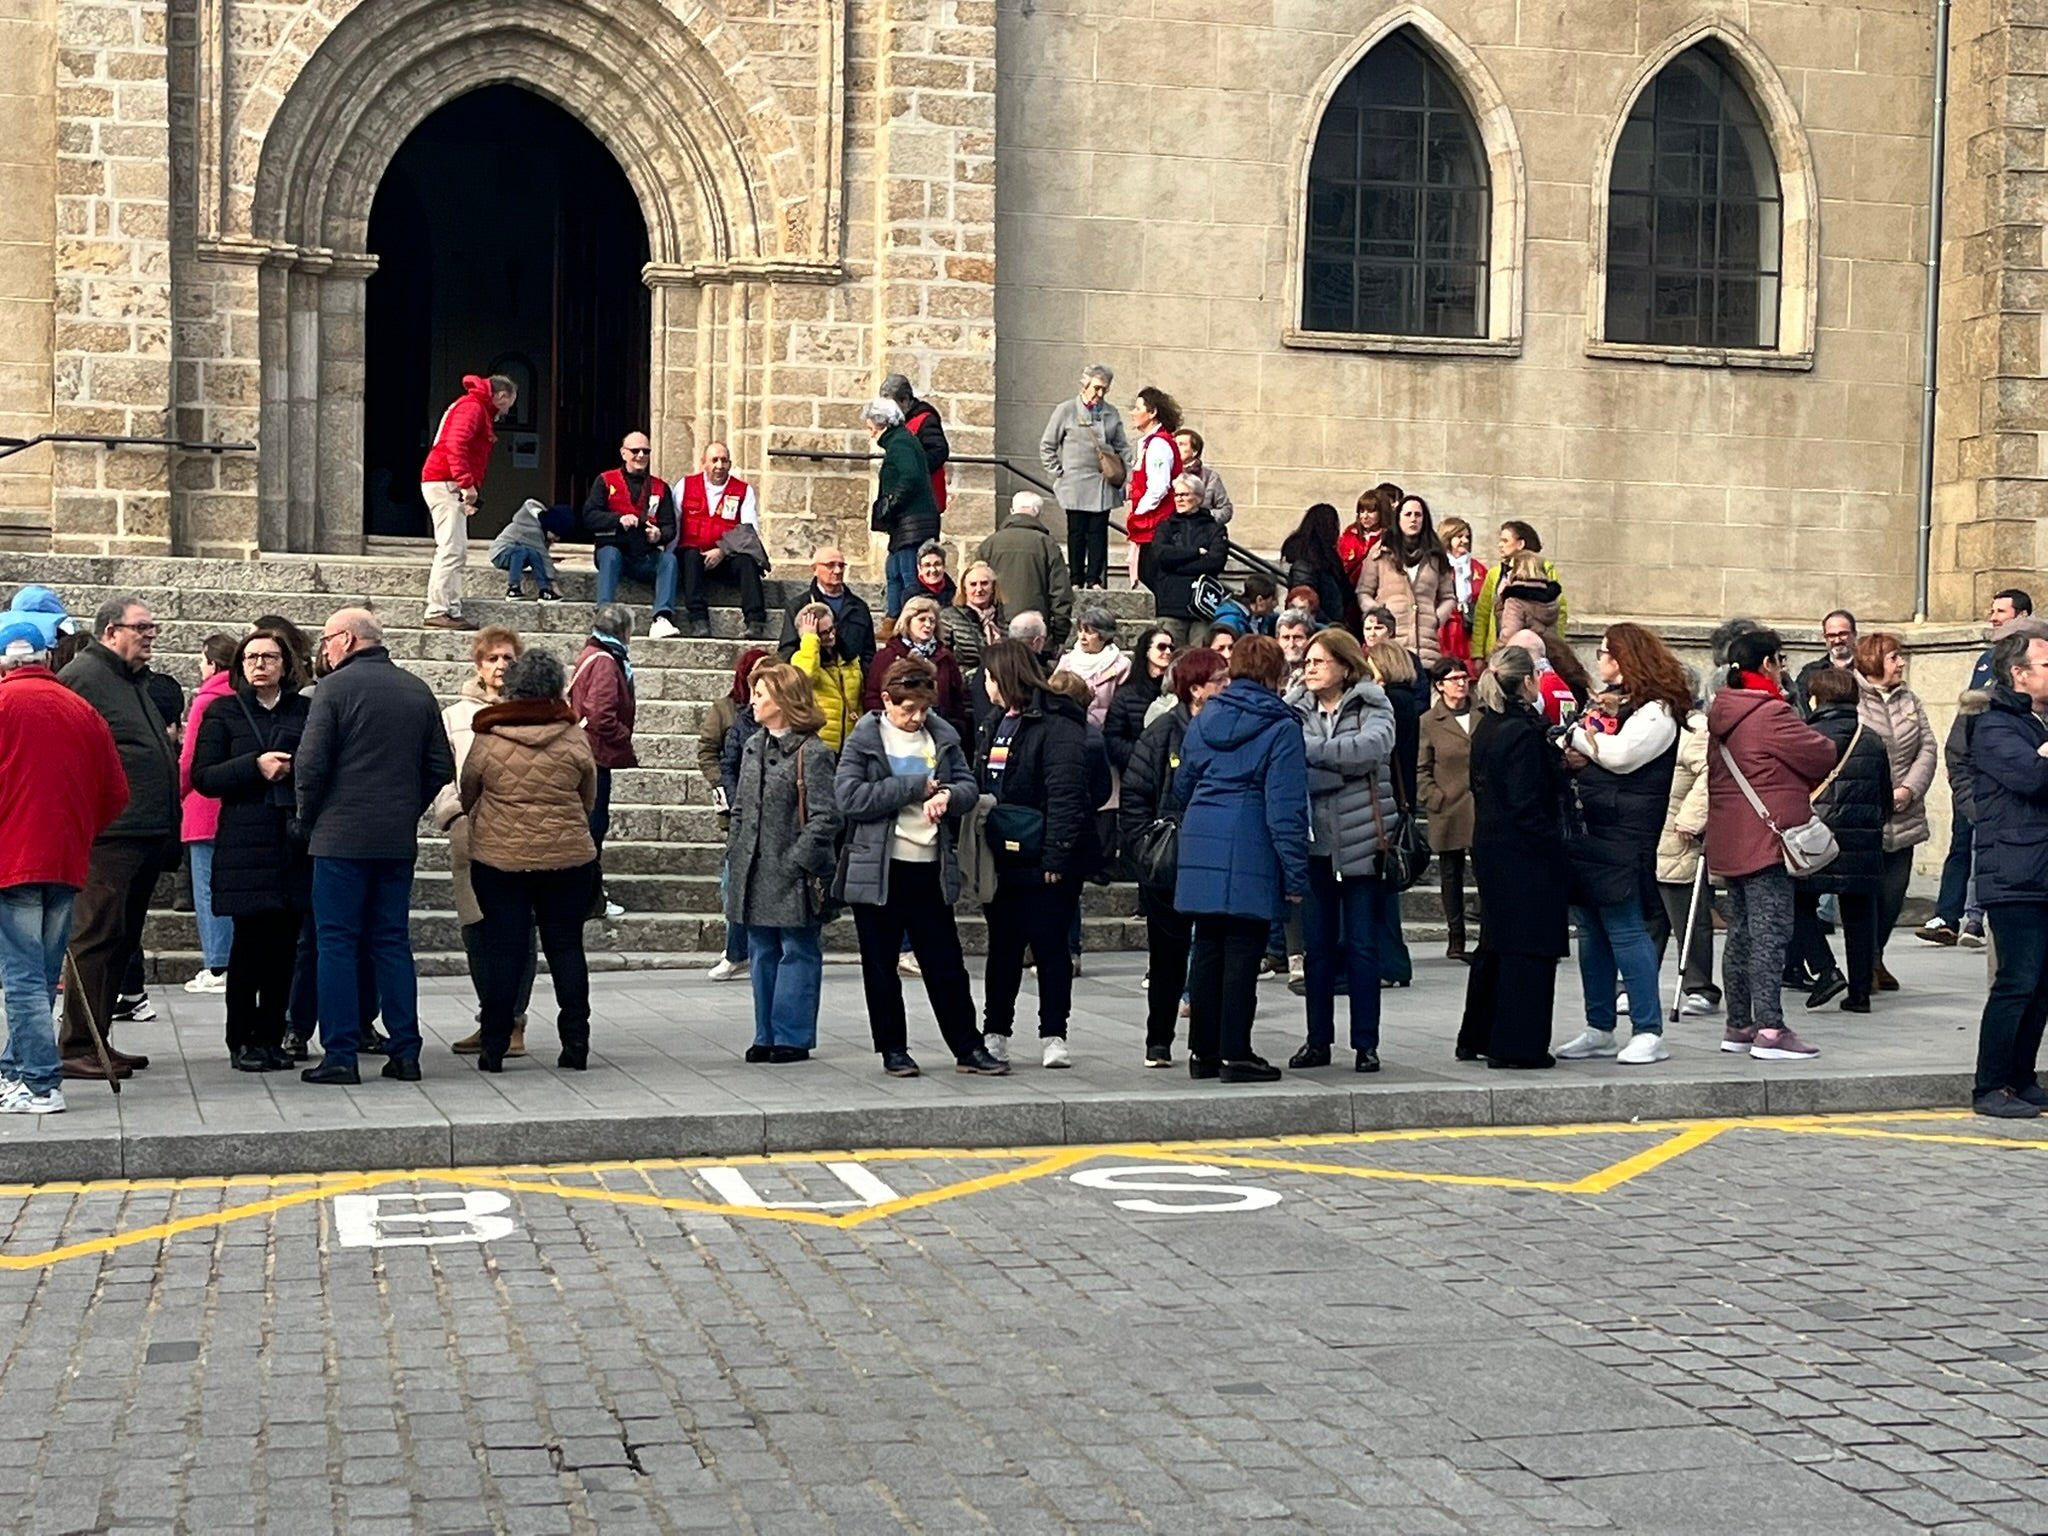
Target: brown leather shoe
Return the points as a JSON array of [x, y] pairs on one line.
[[89, 1067], [127, 1062], [518, 1045], [448, 621], [1886, 981], [469, 1044]]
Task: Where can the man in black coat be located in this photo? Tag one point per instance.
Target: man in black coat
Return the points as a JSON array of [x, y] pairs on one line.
[[850, 612], [373, 757], [111, 674]]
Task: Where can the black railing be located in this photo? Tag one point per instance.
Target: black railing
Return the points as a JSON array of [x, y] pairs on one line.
[[10, 446], [1236, 552]]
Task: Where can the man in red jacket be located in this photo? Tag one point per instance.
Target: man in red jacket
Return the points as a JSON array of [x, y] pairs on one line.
[[451, 481], [61, 785]]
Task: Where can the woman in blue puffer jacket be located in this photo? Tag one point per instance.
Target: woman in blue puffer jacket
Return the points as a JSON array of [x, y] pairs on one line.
[[1243, 852]]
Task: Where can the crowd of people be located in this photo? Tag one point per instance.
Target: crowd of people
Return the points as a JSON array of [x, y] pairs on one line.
[[1272, 763]]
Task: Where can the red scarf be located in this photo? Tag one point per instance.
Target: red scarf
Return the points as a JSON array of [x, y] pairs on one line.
[[1757, 682]]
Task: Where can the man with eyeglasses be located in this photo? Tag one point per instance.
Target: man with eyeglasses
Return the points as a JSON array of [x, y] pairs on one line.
[[853, 619], [630, 515], [1838, 634], [721, 522], [452, 481], [373, 758], [2009, 765], [111, 674]]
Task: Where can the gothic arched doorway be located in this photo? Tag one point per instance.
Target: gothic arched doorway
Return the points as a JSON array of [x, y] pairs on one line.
[[507, 240]]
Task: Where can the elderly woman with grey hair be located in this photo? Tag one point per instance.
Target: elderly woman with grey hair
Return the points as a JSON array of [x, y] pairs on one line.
[[529, 786], [1084, 436], [1188, 546], [1096, 660], [905, 508]]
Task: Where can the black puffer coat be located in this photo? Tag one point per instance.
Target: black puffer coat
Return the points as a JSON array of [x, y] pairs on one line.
[[1188, 545], [1047, 770], [1148, 792], [1855, 806], [1517, 838], [257, 867], [1615, 860]]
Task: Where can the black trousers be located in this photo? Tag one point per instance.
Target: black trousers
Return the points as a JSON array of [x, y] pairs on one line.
[[1891, 896], [514, 903], [1509, 1000], [1451, 878], [917, 907], [2015, 1013], [741, 568], [478, 948], [1029, 914], [1168, 937], [260, 965], [1859, 936], [1087, 547], [1223, 985], [106, 932]]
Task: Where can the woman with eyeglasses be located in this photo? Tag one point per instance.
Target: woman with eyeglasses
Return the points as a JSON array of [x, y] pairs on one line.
[[1125, 722], [262, 877], [1189, 545], [1895, 714]]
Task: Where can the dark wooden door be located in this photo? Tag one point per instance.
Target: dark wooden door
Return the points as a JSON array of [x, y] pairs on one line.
[[602, 318]]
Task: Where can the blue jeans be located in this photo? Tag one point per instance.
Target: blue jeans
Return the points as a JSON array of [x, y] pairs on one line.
[[515, 560], [788, 974], [1616, 941], [216, 934], [2009, 1038], [1949, 905], [1340, 924], [365, 904], [901, 575], [35, 928], [655, 566]]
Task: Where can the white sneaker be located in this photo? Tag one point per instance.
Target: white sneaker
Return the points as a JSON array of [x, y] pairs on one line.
[[728, 970], [1643, 1048], [1592, 1043], [997, 1046], [1621, 1006], [208, 981], [613, 909], [1297, 965], [1699, 1002], [663, 628], [906, 965], [1056, 1053], [129, 1010], [20, 1099]]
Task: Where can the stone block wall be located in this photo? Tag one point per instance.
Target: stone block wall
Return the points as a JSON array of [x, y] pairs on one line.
[[1148, 219], [28, 181]]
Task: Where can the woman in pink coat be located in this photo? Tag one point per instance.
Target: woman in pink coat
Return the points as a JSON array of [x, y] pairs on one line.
[[1783, 760]]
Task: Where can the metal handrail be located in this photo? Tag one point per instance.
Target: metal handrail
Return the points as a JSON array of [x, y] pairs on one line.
[[1232, 549], [9, 446]]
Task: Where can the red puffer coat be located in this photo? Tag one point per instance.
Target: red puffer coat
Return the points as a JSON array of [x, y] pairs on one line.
[[462, 448]]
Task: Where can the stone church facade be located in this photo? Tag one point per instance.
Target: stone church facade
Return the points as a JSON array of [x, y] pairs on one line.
[[990, 195]]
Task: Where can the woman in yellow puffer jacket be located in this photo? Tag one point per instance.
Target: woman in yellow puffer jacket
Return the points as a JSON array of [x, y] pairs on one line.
[[835, 677]]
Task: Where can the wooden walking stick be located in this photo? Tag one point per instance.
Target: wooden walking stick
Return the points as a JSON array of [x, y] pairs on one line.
[[92, 1025]]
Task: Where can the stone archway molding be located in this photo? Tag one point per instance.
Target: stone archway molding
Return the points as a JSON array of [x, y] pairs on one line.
[[1508, 178], [1798, 191]]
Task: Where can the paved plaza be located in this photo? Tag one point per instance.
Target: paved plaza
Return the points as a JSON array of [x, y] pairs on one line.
[[1768, 1325], [667, 1080]]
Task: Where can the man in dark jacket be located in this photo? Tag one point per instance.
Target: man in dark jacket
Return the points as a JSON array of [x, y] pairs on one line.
[[373, 757], [106, 923], [2009, 762], [1029, 567], [1190, 544], [905, 508], [850, 612], [1838, 634]]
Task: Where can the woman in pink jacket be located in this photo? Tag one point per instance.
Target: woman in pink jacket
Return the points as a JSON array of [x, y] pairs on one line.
[[1783, 761], [200, 818]]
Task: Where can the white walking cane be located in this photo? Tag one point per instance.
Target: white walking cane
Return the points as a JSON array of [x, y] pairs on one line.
[[1692, 915]]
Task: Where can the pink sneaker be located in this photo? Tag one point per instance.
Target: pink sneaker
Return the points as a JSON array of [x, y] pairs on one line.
[[1737, 1037], [1781, 1045]]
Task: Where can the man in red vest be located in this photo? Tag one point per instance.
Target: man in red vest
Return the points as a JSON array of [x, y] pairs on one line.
[[631, 518], [451, 481], [721, 523]]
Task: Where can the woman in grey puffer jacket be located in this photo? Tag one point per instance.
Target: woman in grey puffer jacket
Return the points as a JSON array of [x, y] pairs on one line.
[[770, 848], [1348, 727]]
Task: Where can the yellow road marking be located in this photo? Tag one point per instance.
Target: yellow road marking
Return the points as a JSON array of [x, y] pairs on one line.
[[1677, 1138]]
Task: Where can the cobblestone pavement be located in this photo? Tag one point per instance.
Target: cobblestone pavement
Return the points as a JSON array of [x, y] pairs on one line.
[[1767, 1325]]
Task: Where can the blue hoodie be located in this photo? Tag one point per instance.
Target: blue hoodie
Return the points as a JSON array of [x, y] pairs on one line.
[[1244, 780]]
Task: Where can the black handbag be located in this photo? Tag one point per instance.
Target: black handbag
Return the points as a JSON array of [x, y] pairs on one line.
[[1154, 856], [1016, 834], [822, 893], [1404, 858]]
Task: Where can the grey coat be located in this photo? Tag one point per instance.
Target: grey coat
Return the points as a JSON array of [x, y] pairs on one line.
[[870, 794], [1068, 450], [1349, 766], [768, 853]]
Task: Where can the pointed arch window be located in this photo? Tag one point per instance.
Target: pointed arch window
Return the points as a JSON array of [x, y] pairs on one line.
[[1695, 215], [1399, 203]]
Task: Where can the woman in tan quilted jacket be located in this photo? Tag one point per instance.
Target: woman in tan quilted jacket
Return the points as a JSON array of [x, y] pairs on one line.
[[1895, 714], [528, 784], [1409, 575]]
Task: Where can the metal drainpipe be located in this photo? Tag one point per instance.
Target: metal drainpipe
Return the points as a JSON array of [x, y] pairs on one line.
[[1931, 326]]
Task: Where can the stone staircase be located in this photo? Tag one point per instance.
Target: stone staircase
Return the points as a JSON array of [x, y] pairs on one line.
[[664, 850]]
